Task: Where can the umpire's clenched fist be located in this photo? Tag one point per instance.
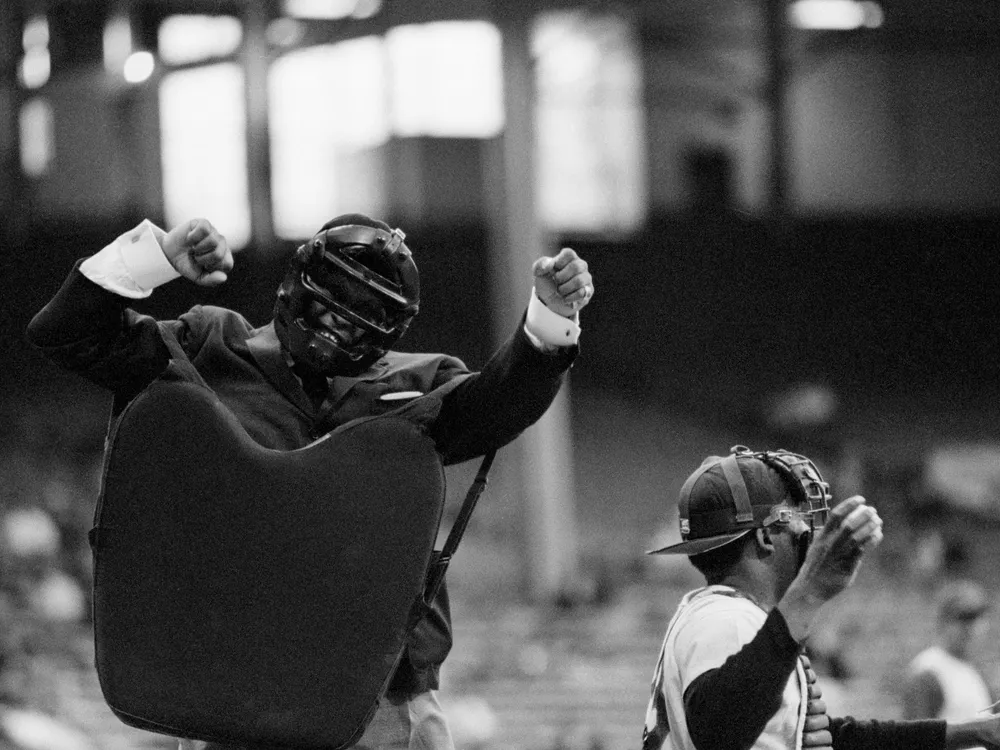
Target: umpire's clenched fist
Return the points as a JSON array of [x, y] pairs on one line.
[[563, 283], [198, 252]]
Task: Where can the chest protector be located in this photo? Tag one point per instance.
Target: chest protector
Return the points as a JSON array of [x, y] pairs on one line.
[[256, 597]]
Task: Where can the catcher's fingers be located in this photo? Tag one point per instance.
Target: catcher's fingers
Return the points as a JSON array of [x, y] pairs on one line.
[[823, 739], [816, 723], [864, 526], [835, 520]]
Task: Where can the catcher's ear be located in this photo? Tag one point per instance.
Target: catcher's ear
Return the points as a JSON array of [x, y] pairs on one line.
[[764, 541]]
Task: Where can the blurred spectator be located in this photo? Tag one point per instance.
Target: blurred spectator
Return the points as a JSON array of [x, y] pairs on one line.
[[25, 729], [30, 532], [942, 681], [827, 652], [41, 609], [473, 722], [31, 571]]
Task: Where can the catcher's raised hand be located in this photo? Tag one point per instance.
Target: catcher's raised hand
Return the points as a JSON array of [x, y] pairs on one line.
[[563, 282], [833, 559], [198, 252]]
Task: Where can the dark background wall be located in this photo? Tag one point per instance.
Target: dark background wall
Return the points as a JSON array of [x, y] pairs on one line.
[[710, 316]]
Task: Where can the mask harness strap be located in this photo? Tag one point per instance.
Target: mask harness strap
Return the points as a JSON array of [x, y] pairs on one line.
[[803, 540], [731, 470], [741, 497], [435, 576]]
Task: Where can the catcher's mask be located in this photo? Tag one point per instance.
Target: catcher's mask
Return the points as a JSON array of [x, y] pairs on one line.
[[349, 294], [728, 497]]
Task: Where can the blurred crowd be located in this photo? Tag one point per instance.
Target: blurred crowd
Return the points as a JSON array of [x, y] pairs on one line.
[[50, 479], [49, 475]]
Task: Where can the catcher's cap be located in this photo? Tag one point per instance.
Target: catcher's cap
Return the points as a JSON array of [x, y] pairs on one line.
[[962, 600], [728, 497]]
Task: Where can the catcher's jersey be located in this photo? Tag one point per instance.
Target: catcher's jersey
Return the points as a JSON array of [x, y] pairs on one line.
[[711, 624]]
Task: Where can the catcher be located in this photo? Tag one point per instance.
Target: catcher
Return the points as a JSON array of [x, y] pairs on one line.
[[732, 672]]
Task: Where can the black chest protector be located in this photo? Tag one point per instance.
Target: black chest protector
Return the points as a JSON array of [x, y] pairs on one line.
[[256, 597]]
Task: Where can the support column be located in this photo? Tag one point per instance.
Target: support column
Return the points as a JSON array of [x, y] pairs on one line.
[[256, 64], [12, 184], [776, 33], [539, 462]]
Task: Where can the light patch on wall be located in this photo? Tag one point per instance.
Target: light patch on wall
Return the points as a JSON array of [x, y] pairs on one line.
[[37, 137], [285, 32], [565, 54], [446, 79], [328, 113], [35, 68], [590, 129], [835, 15], [139, 67], [188, 39], [35, 33], [366, 8], [203, 149], [331, 9], [117, 43]]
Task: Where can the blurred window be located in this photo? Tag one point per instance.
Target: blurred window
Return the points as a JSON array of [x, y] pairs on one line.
[[117, 42], [842, 15], [203, 148], [139, 66], [328, 114], [331, 9], [590, 130], [35, 68], [446, 79], [35, 33], [37, 137], [331, 107], [36, 65], [189, 39]]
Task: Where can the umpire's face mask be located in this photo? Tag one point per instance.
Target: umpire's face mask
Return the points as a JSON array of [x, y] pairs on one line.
[[344, 302]]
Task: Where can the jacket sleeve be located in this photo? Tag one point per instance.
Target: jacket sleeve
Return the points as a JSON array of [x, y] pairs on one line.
[[492, 407], [91, 331]]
